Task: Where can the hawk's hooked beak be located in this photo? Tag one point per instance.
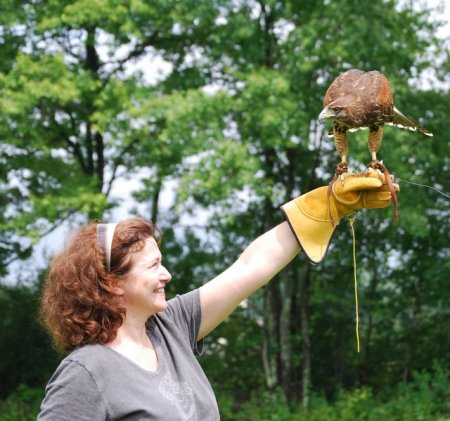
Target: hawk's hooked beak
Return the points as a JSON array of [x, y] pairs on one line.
[[326, 113]]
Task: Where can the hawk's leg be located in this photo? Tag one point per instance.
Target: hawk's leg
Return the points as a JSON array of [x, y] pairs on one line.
[[374, 143], [341, 142]]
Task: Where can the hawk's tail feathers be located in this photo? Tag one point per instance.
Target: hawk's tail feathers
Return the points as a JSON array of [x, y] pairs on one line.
[[403, 122]]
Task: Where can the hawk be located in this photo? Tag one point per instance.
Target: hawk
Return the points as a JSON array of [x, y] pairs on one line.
[[362, 100]]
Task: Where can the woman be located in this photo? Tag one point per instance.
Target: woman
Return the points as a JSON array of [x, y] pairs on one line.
[[132, 353]]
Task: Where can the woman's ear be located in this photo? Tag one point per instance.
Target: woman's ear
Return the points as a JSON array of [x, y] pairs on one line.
[[118, 288]]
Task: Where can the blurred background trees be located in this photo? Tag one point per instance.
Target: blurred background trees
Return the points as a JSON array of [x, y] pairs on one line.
[[202, 115]]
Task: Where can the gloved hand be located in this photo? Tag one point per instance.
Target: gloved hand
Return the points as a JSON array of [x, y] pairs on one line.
[[313, 216]]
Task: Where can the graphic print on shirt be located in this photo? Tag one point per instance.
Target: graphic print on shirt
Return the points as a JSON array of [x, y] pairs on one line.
[[180, 395]]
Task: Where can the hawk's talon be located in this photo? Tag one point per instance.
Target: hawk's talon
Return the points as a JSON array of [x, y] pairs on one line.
[[341, 168], [377, 166], [374, 164]]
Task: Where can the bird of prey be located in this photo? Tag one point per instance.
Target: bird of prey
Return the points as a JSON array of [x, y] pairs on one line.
[[362, 100]]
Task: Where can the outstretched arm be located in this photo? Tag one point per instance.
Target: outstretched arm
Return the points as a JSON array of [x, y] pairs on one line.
[[310, 225], [256, 266]]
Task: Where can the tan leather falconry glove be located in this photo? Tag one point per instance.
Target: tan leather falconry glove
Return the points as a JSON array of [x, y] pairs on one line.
[[309, 215]]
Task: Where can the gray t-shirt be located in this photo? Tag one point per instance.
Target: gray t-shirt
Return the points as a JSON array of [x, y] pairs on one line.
[[96, 383]]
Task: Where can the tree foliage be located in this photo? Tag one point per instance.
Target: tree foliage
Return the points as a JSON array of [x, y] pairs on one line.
[[230, 130], [27, 357]]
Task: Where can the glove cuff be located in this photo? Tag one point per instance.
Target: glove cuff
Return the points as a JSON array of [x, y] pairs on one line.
[[311, 226]]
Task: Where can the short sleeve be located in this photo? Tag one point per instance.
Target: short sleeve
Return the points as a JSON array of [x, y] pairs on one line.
[[72, 394], [185, 312]]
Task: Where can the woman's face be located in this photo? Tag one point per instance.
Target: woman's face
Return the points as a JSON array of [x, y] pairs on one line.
[[143, 287]]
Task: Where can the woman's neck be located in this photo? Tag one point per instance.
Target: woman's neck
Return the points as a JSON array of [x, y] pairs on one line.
[[133, 342], [132, 330]]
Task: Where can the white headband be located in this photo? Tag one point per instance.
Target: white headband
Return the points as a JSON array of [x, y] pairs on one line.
[[105, 233]]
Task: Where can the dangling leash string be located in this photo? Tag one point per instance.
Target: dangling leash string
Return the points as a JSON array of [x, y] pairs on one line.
[[351, 221]]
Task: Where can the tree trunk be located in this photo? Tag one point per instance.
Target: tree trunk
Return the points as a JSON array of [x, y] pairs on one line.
[[285, 335], [365, 367], [269, 354], [304, 310], [272, 298], [155, 201]]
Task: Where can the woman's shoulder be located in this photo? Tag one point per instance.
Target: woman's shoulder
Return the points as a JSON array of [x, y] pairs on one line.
[[88, 356], [181, 319], [182, 304], [85, 352], [72, 392]]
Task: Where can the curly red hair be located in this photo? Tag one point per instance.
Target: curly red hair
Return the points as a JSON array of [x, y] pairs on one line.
[[79, 304]]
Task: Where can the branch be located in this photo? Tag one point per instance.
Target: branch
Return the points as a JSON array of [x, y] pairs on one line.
[[75, 146], [100, 149], [155, 40], [117, 162], [55, 225]]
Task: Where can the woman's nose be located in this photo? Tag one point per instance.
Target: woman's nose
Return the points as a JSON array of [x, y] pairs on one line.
[[165, 274]]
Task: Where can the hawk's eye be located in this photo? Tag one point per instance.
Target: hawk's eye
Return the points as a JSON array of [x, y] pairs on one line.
[[339, 111]]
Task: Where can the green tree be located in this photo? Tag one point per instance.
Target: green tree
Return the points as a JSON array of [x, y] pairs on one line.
[[25, 349], [76, 114], [233, 124], [276, 59]]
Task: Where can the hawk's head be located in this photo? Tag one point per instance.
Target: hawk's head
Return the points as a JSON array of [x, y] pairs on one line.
[[334, 113], [341, 110]]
